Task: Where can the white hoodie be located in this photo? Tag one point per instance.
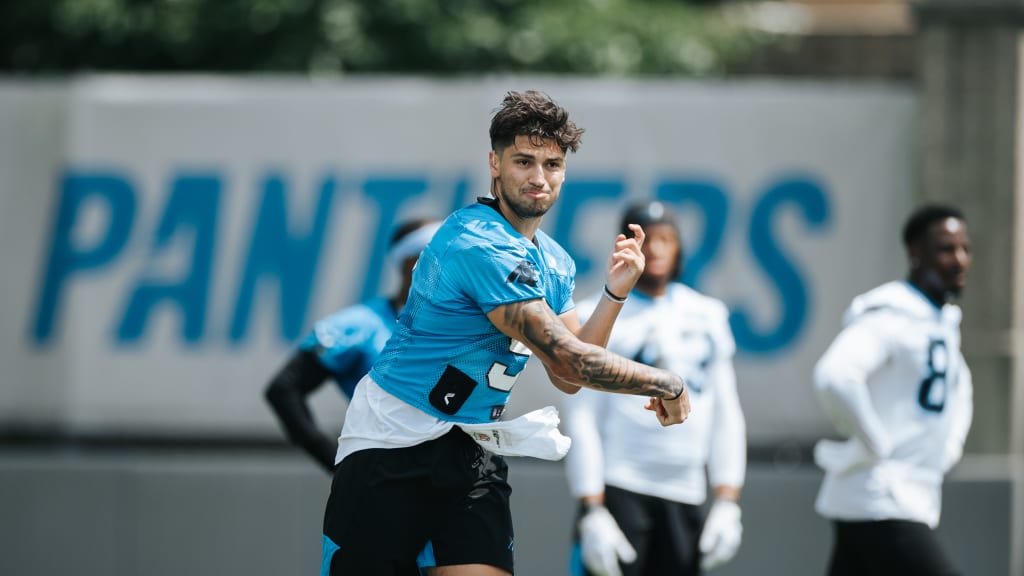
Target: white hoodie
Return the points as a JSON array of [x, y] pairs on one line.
[[618, 443], [895, 383]]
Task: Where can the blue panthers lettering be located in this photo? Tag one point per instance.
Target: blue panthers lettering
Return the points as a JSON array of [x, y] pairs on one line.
[[283, 248], [711, 201], [390, 193], [275, 253], [116, 193], [809, 198], [192, 206]]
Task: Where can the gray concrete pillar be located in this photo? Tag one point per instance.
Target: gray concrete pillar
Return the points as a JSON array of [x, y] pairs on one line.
[[971, 129]]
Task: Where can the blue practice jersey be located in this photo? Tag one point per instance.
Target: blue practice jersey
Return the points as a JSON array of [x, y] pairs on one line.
[[348, 342], [445, 357]]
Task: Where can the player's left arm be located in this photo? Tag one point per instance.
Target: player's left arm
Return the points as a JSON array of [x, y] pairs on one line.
[[727, 461], [625, 265], [963, 404]]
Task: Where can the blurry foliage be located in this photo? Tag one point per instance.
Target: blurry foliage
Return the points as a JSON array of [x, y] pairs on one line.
[[405, 36]]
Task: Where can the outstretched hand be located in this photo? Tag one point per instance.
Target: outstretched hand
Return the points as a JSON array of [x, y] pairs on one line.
[[626, 263]]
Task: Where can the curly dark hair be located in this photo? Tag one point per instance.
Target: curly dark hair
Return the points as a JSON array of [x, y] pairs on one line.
[[535, 115]]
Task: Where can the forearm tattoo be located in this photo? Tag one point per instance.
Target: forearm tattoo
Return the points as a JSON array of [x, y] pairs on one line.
[[582, 363]]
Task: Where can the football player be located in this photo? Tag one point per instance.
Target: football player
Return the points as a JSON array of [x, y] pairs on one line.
[[342, 347], [641, 488], [421, 478], [896, 386]]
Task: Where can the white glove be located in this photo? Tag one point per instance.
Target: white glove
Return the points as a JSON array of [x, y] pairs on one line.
[[722, 533], [603, 543]]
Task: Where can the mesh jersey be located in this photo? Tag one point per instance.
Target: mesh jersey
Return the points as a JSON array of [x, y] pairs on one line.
[[616, 442], [445, 357], [348, 342], [895, 381]]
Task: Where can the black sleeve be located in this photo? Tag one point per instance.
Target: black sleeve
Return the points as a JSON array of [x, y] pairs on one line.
[[286, 393]]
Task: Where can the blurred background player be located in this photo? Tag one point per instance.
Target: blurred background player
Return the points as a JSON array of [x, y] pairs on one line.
[[343, 346], [641, 486], [895, 383]]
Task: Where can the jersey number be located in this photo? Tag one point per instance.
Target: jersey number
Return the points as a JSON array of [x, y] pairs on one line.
[[498, 376], [651, 354], [932, 396], [698, 379]]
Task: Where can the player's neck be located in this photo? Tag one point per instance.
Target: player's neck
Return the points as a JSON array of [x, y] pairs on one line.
[[396, 305], [937, 297], [526, 226], [652, 287], [398, 300]]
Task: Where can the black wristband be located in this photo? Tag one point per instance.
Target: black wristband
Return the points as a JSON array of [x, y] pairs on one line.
[[676, 397], [613, 297]]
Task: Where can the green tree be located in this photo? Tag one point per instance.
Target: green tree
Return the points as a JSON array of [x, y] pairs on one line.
[[401, 36]]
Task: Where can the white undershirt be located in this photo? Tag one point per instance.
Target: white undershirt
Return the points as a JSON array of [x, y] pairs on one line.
[[376, 419]]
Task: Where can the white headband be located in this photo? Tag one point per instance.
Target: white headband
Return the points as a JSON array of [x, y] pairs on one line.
[[412, 243]]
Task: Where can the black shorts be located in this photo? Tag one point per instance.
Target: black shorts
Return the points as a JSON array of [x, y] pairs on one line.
[[887, 548], [664, 533], [440, 503]]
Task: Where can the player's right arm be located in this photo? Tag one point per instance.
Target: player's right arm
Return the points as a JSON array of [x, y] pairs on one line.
[[571, 360], [841, 376]]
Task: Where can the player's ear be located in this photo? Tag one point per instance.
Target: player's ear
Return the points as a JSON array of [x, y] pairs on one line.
[[914, 252], [493, 163]]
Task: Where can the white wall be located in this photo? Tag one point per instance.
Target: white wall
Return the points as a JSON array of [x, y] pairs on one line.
[[144, 294]]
